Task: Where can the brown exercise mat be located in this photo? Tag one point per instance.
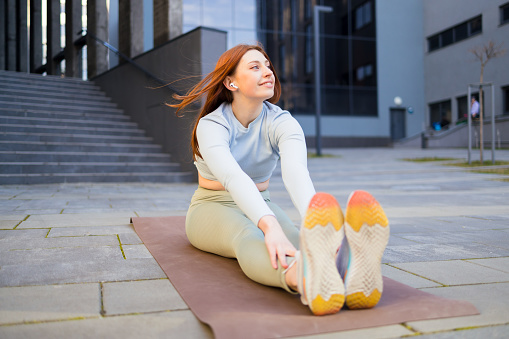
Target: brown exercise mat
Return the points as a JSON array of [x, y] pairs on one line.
[[220, 295]]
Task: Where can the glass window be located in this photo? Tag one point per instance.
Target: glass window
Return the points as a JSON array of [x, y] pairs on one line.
[[476, 25], [363, 15], [434, 42], [191, 14], [504, 14], [245, 14], [218, 13], [505, 94], [461, 32], [439, 112], [447, 38]]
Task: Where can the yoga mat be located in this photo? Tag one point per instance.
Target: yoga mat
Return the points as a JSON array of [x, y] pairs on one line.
[[220, 295]]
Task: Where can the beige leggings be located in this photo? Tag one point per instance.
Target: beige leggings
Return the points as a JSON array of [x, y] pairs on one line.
[[215, 224]]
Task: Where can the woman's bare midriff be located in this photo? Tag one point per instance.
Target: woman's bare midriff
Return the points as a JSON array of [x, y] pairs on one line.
[[216, 186]]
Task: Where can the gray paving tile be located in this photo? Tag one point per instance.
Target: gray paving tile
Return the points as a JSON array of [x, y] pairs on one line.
[[455, 272], [69, 220], [51, 302], [490, 300], [181, 324], [39, 211], [53, 243], [431, 252], [8, 224], [13, 217], [129, 239], [393, 331], [407, 278], [79, 231], [136, 251], [492, 332], [59, 272], [141, 296], [501, 264], [24, 234]]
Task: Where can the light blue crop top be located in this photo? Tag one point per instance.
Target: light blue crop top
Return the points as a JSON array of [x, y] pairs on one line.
[[238, 157]]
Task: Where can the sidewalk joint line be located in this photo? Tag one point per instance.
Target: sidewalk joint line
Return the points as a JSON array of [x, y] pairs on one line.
[[21, 221], [121, 248]]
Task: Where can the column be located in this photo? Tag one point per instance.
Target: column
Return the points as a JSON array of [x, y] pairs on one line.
[[10, 50], [22, 43], [130, 32], [72, 27], [35, 35], [167, 20], [97, 24], [3, 31], [53, 37]]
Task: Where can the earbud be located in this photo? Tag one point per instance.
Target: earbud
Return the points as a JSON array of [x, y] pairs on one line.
[[233, 85]]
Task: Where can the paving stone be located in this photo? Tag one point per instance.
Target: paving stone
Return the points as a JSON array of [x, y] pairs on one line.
[[178, 325], [79, 231], [51, 302], [492, 332], [69, 220], [490, 300], [90, 203], [136, 252], [406, 278], [24, 234], [161, 213], [12, 217], [61, 242], [501, 264], [486, 236], [141, 296], [455, 272], [39, 212], [392, 331], [59, 272], [129, 238], [95, 211], [8, 224], [399, 241], [431, 252]]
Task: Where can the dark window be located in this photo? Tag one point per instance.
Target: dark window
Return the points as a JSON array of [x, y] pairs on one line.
[[439, 112], [504, 14], [505, 93], [454, 34], [464, 106], [461, 32]]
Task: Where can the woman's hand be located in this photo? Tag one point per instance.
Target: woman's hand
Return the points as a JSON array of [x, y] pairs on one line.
[[276, 241]]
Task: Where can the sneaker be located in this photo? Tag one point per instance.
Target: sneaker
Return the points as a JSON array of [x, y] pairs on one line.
[[367, 233], [319, 282]]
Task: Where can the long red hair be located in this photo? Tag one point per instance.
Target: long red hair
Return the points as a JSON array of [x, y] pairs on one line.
[[213, 86]]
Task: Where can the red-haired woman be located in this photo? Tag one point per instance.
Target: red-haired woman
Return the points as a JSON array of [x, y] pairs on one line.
[[237, 140]]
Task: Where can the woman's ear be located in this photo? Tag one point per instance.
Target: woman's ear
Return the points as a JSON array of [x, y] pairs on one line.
[[229, 84]]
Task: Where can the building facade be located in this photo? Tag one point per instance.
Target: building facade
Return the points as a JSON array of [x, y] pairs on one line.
[[372, 52]]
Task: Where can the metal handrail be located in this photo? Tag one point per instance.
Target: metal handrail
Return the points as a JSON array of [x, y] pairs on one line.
[[129, 60]]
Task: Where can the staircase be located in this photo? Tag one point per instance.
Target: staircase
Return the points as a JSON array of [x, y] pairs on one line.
[[62, 130]]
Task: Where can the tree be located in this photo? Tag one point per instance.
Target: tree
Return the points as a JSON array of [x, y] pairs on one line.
[[484, 53]]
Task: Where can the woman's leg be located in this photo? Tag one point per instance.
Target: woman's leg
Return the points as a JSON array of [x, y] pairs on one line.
[[223, 229]]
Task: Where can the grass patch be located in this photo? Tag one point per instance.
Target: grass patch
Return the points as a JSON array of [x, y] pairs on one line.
[[314, 155], [428, 159], [478, 163]]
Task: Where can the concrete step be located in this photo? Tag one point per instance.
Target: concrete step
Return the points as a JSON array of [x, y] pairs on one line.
[[36, 101], [55, 129], [63, 137], [59, 108], [72, 90], [43, 92], [78, 147], [29, 121], [30, 113], [49, 80], [50, 178], [86, 167], [48, 156]]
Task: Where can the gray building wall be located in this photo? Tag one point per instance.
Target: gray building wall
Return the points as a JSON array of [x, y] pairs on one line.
[[449, 70]]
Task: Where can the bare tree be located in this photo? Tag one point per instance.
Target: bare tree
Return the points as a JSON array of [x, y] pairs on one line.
[[483, 54]]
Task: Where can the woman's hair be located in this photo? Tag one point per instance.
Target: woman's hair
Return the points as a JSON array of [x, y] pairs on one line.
[[213, 86]]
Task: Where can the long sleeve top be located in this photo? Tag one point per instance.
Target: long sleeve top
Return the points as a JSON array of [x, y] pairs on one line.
[[239, 157]]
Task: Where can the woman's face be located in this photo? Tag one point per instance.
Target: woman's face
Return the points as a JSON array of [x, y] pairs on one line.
[[253, 77]]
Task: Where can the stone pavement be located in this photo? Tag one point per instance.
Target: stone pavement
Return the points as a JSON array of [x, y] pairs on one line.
[[71, 265]]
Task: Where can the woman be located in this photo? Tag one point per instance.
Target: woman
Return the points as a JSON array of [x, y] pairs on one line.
[[237, 140]]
